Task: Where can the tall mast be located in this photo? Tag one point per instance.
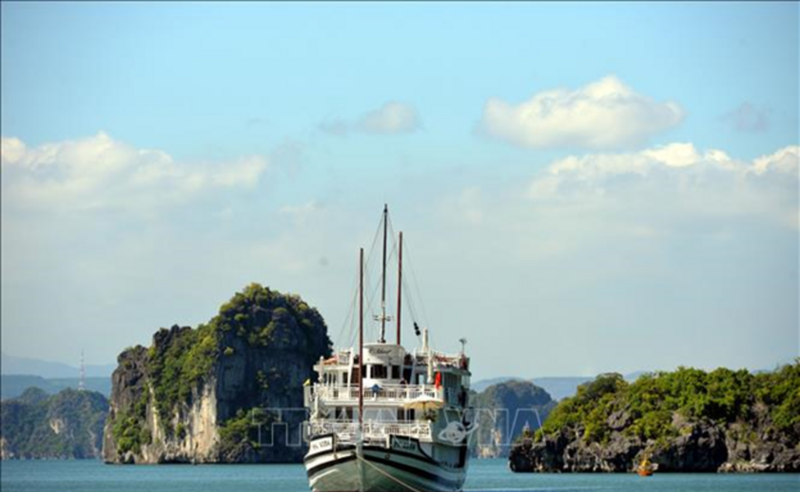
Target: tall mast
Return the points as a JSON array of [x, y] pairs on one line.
[[361, 339], [383, 277], [399, 283]]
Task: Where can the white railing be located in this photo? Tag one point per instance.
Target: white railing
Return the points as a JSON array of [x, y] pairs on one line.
[[390, 393], [372, 431], [448, 360], [420, 359]]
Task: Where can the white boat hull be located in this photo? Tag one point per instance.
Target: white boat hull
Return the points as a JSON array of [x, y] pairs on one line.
[[380, 470]]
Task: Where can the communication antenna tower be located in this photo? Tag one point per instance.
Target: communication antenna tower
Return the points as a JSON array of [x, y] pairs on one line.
[[82, 382]]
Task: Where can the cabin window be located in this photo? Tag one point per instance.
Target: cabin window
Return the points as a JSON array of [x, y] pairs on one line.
[[395, 372], [378, 372]]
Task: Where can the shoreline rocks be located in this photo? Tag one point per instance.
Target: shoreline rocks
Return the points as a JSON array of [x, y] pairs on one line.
[[757, 428]]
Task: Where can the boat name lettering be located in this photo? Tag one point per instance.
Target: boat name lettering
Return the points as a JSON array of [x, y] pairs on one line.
[[320, 445], [379, 351], [404, 445]]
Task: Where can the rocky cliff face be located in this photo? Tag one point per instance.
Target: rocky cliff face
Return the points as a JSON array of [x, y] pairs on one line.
[[230, 391], [68, 425], [703, 447], [709, 425]]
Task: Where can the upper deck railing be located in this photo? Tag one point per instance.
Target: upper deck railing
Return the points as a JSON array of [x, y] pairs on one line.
[[389, 393], [346, 432], [439, 359]]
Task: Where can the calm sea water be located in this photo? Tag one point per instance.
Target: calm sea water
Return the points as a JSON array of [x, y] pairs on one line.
[[484, 475]]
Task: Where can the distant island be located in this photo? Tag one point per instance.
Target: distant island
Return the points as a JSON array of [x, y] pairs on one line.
[[68, 425], [503, 411], [14, 385], [558, 387], [14, 365], [688, 420], [20, 373]]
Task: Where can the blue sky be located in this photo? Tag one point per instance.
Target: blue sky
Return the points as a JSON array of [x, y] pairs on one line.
[[613, 181]]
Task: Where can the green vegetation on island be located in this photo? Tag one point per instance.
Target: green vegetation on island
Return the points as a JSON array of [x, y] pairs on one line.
[[253, 355], [67, 425], [722, 396], [129, 428], [175, 369], [734, 420]]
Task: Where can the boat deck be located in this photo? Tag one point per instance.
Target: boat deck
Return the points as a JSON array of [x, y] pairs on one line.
[[346, 432], [397, 394]]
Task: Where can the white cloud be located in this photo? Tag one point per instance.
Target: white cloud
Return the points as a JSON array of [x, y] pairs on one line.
[[99, 171], [674, 155], [12, 151], [675, 180], [784, 161], [597, 169], [392, 118], [665, 212], [88, 158], [605, 114], [244, 172]]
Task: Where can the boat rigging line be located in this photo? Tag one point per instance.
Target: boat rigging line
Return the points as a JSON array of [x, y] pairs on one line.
[[409, 297], [360, 345], [409, 487]]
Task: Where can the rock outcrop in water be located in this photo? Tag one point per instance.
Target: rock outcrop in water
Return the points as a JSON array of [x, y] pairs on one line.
[[503, 410], [229, 391], [685, 421], [67, 425]]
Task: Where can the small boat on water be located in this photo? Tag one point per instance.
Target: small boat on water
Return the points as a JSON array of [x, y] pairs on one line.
[[386, 419], [645, 468]]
